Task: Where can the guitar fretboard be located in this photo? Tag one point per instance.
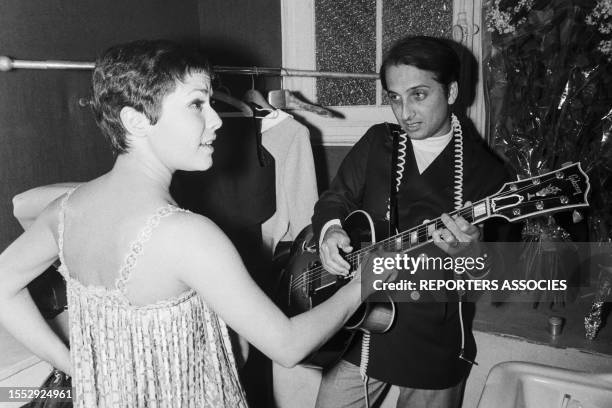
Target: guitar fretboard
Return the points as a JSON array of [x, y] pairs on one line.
[[420, 234]]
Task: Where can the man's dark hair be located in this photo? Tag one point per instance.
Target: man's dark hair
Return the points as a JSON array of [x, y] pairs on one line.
[[426, 53], [139, 74]]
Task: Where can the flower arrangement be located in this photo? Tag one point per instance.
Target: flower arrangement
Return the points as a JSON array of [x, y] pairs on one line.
[[548, 83], [505, 20], [601, 18]]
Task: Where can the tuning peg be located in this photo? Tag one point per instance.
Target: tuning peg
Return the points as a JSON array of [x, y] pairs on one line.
[[577, 216]]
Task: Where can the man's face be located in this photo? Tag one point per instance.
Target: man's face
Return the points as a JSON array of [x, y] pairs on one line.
[[419, 102]]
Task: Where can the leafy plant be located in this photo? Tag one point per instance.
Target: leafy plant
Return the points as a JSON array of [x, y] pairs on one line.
[[548, 80], [549, 85]]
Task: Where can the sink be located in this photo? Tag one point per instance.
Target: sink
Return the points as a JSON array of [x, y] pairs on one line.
[[515, 384]]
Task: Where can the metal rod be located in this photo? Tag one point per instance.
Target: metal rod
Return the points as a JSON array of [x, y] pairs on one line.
[[324, 74], [7, 64], [292, 72]]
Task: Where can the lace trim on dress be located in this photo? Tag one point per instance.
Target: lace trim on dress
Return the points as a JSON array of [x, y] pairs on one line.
[[137, 246]]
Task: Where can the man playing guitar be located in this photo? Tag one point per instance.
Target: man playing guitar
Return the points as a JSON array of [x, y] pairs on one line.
[[438, 165]]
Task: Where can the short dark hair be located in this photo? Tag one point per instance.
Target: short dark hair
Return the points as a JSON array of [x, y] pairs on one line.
[[426, 53], [139, 74]]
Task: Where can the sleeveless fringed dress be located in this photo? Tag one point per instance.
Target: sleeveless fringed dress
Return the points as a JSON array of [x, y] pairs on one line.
[[173, 353]]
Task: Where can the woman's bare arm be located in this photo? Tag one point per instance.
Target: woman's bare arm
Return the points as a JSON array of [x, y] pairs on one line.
[[25, 259], [27, 206], [205, 260]]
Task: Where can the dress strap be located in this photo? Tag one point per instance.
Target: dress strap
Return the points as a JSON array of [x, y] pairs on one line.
[[61, 226], [136, 248]]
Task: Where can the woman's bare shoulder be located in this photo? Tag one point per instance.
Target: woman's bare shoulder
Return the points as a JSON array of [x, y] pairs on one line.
[[187, 228], [193, 241]]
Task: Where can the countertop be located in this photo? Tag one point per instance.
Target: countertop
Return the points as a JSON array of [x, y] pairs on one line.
[[529, 321]]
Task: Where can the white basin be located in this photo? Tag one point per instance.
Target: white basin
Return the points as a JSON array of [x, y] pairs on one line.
[[516, 384]]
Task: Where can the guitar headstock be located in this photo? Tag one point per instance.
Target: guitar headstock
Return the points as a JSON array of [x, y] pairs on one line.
[[559, 190]]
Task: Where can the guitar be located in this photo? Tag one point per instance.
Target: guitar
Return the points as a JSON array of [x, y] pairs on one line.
[[305, 283]]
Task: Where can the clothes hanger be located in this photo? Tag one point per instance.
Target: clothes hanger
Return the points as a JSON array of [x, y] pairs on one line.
[[244, 110], [285, 99], [261, 108], [254, 96]]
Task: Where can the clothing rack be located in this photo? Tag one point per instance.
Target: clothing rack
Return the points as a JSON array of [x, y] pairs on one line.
[[8, 64], [292, 72]]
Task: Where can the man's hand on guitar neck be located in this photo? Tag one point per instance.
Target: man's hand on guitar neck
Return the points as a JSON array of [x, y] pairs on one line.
[[459, 236], [335, 238]]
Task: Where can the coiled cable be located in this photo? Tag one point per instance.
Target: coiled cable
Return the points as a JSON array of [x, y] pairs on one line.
[[458, 200], [363, 364], [365, 340], [458, 174], [401, 160]]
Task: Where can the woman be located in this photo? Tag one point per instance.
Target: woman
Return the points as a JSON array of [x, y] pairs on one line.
[[144, 276]]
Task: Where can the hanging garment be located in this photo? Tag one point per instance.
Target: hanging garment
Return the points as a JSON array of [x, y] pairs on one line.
[[296, 186], [296, 193]]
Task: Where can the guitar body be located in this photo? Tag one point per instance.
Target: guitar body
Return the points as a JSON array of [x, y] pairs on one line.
[[305, 284]]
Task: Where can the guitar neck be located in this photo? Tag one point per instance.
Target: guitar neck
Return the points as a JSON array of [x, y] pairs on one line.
[[558, 190], [421, 234]]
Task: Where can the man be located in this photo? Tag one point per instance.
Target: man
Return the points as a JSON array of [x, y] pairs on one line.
[[436, 165]]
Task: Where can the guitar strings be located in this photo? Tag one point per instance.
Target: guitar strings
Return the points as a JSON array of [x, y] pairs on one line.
[[387, 243], [317, 272]]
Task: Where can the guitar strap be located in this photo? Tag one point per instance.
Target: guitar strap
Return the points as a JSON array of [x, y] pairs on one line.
[[398, 154]]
